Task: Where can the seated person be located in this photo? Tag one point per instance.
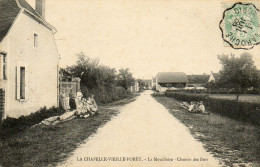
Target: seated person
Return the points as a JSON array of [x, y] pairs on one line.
[[202, 107], [196, 108], [83, 108], [184, 105], [92, 104], [192, 106]]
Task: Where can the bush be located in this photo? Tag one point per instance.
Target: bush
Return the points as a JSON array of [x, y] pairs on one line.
[[186, 96], [218, 91], [119, 93], [103, 95], [253, 91], [14, 125], [241, 111]]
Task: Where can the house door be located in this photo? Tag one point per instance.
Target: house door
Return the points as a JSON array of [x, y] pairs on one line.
[[2, 104]]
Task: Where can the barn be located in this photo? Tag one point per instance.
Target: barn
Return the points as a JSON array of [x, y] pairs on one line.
[[165, 80]]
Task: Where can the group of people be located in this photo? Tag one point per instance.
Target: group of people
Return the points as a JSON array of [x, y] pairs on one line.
[[83, 107], [75, 106], [194, 107]]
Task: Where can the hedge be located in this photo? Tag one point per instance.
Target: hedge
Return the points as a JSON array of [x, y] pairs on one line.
[[106, 95], [15, 125], [241, 111], [218, 91]]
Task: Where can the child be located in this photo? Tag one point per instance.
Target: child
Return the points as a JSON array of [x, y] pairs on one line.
[[191, 107], [92, 104]]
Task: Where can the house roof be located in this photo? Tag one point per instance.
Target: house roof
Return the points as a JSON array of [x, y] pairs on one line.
[[9, 9], [146, 81], [171, 77], [216, 76], [198, 79]]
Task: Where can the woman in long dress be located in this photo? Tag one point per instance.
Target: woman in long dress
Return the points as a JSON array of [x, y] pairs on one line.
[[64, 100]]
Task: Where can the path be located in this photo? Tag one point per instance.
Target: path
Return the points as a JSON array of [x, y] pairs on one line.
[[144, 129]]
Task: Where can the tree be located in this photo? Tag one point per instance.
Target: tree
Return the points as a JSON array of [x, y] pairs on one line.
[[92, 75], [238, 72], [125, 78]]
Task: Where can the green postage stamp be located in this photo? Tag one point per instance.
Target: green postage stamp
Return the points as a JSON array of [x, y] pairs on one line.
[[240, 26]]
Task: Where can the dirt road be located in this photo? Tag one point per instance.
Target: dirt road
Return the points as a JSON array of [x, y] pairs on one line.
[[144, 129]]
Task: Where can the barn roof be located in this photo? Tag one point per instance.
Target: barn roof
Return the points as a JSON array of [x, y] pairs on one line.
[[198, 79], [9, 9], [172, 77], [146, 81]]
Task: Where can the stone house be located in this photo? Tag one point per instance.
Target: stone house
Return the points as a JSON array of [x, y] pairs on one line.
[[28, 59]]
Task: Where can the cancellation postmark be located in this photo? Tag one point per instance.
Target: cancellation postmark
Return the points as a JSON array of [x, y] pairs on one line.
[[240, 26]]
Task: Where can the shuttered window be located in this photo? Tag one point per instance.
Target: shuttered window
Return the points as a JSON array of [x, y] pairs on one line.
[[35, 44], [3, 63], [22, 82]]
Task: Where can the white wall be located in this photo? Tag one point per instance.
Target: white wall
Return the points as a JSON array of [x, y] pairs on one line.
[[211, 78], [41, 66]]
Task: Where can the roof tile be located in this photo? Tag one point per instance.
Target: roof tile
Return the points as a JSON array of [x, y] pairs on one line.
[[168, 77]]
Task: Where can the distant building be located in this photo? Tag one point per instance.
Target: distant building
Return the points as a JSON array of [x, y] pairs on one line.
[[28, 59], [134, 88], [197, 81], [167, 80], [153, 82], [147, 83]]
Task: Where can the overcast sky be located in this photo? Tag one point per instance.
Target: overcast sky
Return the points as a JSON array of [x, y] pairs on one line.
[[148, 36]]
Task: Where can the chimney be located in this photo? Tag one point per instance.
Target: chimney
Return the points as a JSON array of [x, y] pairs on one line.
[[40, 8]]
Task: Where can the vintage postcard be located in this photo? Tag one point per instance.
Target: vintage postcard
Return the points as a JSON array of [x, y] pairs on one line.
[[129, 83]]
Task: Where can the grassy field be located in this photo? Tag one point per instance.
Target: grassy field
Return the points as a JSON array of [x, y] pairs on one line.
[[48, 145], [242, 97], [234, 143]]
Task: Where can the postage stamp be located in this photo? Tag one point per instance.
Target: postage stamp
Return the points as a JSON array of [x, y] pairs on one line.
[[240, 26]]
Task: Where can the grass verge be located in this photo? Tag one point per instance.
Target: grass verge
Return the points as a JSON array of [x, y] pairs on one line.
[[48, 145], [235, 143]]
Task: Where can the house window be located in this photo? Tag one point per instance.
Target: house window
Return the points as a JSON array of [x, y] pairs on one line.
[[22, 82], [3, 74], [35, 40]]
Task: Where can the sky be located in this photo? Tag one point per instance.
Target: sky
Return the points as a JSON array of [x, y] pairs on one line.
[[146, 36]]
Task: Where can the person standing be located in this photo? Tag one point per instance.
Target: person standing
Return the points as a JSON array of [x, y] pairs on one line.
[[72, 102], [63, 100], [78, 99]]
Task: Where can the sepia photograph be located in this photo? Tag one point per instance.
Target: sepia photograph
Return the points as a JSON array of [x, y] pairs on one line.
[[129, 83]]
